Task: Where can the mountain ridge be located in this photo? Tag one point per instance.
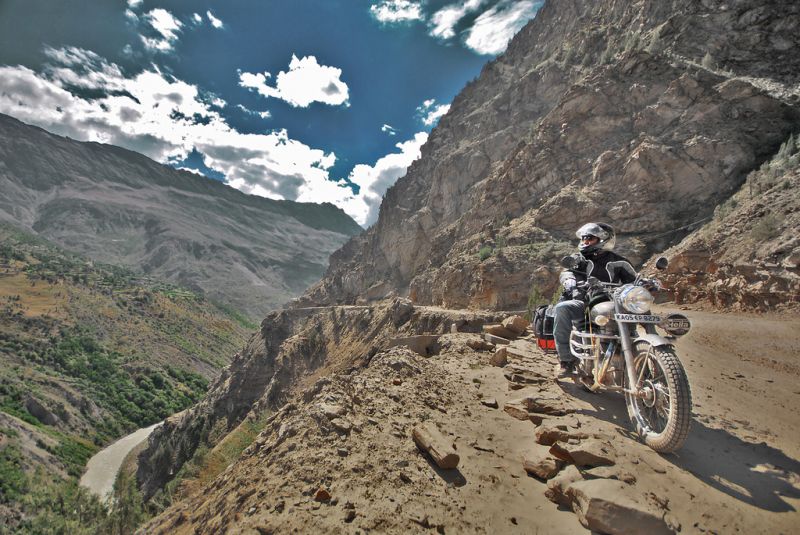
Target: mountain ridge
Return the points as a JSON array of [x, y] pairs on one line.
[[251, 252]]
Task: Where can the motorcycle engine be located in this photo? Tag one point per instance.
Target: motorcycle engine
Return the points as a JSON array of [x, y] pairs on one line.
[[602, 315]]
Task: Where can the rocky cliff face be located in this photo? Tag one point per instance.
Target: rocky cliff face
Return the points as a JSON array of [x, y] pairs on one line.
[[747, 257], [643, 114], [120, 207]]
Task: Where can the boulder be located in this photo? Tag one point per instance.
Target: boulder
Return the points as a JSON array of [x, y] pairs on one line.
[[538, 462], [516, 324], [40, 412], [480, 345], [591, 452], [516, 409], [547, 435], [499, 330], [492, 339], [500, 357], [608, 506], [490, 402], [557, 487]]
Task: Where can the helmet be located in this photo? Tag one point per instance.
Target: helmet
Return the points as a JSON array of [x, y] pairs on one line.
[[604, 232]]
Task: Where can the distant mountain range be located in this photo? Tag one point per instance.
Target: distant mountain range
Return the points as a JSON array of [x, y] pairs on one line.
[[120, 207]]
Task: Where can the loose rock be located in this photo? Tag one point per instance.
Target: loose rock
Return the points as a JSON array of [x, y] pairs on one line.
[[607, 506], [500, 357]]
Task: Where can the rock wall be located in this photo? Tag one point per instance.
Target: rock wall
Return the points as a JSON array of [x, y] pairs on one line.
[[748, 256], [642, 114]]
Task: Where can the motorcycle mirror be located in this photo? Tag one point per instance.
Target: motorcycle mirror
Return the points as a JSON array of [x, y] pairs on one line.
[[662, 263], [568, 262]]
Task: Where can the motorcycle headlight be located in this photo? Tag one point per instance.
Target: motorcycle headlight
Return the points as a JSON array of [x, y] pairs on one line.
[[636, 299]]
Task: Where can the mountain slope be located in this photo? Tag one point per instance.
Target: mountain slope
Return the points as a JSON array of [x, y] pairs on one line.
[[119, 207], [645, 114], [642, 114], [88, 353]]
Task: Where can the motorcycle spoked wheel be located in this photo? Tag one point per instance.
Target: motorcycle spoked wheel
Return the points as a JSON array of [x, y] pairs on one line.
[[663, 415]]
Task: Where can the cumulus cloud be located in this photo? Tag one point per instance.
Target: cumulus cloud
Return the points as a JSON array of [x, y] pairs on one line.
[[395, 11], [168, 119], [161, 117], [372, 180], [389, 129], [443, 22], [197, 19], [215, 22], [494, 28], [134, 3], [430, 112], [305, 82], [166, 28]]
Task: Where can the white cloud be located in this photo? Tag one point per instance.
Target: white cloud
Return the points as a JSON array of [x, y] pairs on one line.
[[197, 19], [443, 22], [133, 17], [394, 11], [167, 119], [166, 26], [494, 28], [306, 81], [215, 22], [373, 181], [431, 112], [263, 114], [134, 3], [389, 129], [161, 117]]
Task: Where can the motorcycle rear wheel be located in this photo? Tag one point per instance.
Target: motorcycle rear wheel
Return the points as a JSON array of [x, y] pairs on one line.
[[662, 416]]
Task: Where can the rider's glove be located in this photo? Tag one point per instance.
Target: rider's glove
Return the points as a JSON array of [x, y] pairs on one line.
[[569, 285]]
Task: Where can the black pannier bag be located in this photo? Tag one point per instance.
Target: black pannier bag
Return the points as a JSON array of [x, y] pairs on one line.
[[543, 319]]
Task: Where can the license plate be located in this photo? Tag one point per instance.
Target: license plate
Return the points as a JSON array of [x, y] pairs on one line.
[[638, 318]]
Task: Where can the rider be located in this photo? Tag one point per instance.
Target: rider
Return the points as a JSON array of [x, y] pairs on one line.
[[596, 259]]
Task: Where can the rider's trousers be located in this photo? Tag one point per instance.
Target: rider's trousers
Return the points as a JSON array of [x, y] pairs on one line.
[[565, 313]]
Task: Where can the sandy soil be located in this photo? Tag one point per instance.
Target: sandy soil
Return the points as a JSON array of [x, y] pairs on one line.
[[350, 435]]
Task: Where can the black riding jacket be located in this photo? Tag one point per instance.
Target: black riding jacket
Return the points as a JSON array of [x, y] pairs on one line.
[[606, 266]]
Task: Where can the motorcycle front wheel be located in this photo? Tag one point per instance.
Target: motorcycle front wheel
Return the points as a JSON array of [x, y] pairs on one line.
[[662, 410]]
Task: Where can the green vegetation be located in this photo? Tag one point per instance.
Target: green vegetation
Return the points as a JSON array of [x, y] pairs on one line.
[[57, 506], [87, 346], [236, 316], [485, 252], [767, 228], [13, 483]]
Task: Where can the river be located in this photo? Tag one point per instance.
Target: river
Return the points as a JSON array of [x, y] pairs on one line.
[[102, 468]]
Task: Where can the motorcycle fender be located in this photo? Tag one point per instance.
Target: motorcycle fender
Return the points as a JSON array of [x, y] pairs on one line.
[[655, 340]]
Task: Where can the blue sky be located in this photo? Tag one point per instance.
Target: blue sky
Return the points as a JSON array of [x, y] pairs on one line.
[[315, 101]]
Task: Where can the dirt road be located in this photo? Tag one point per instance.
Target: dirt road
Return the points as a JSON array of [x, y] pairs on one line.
[[348, 439]]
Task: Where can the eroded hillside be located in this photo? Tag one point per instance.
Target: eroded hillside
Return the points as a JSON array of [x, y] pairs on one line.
[[646, 115], [88, 353]]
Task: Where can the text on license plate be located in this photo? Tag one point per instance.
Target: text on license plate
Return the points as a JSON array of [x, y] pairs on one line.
[[638, 318]]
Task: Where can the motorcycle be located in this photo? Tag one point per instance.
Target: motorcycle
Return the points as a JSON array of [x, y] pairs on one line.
[[623, 347]]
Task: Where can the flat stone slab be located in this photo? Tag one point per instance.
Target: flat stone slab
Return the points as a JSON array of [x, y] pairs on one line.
[[609, 506]]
